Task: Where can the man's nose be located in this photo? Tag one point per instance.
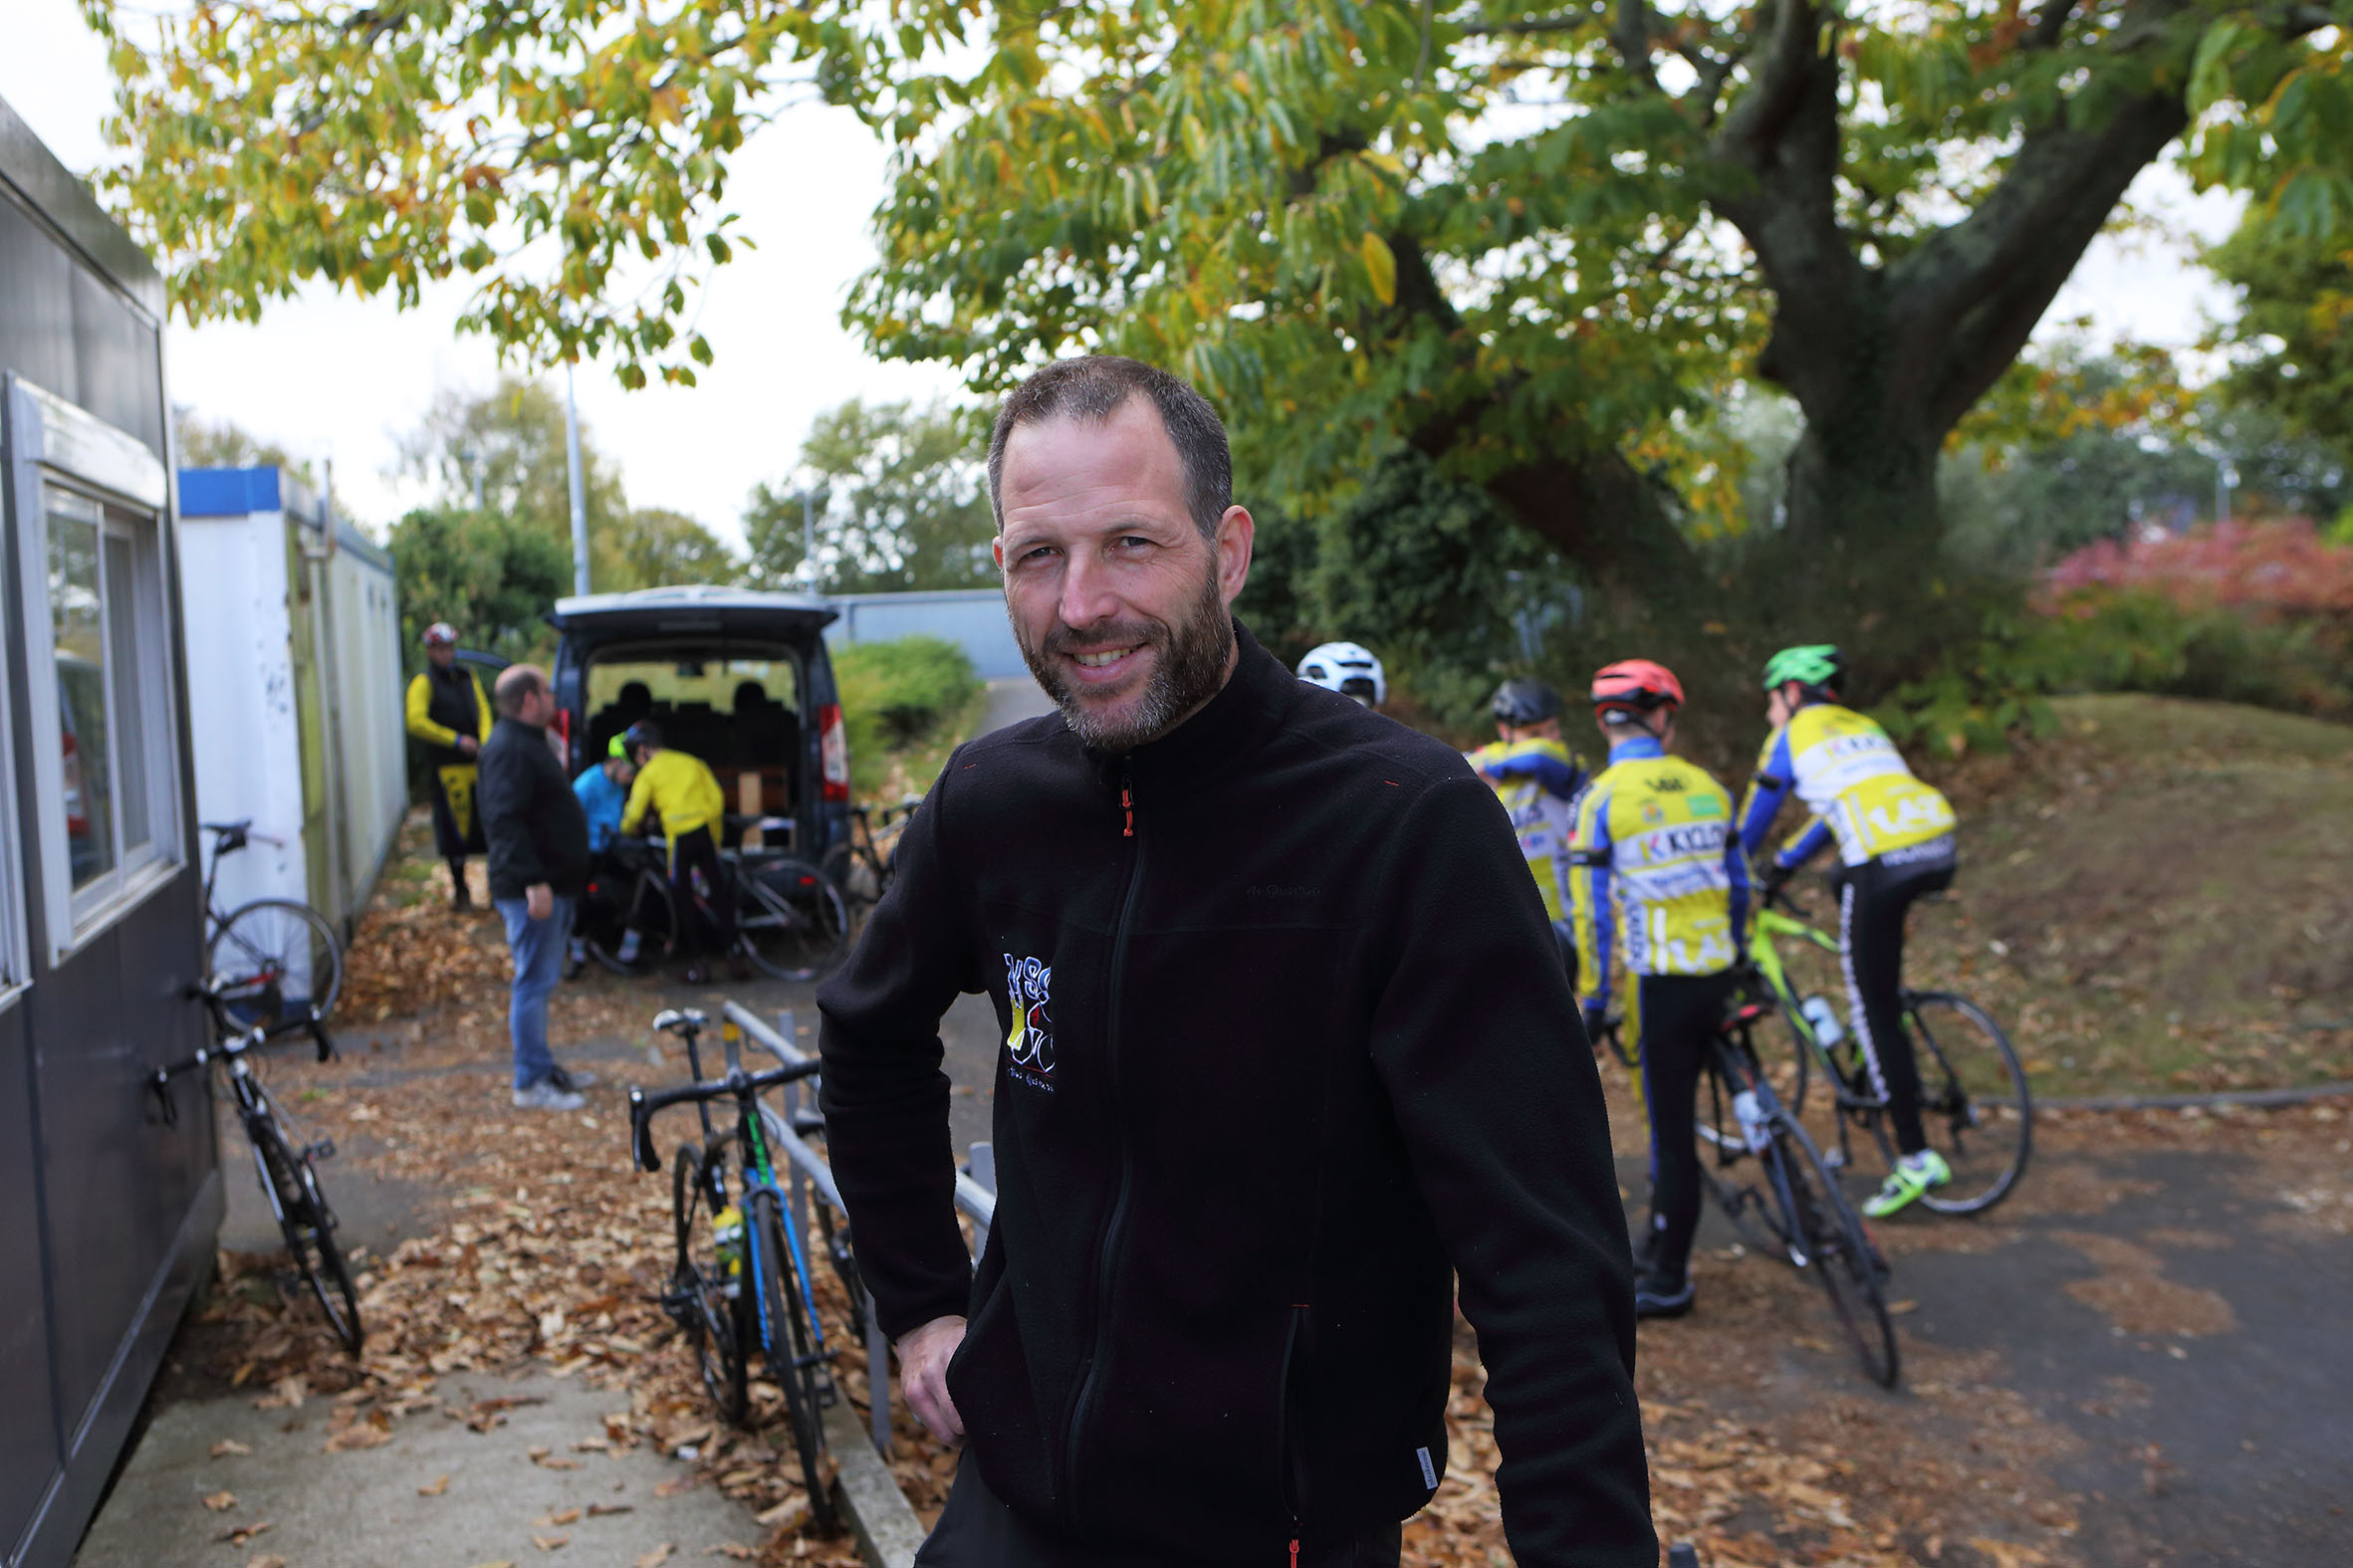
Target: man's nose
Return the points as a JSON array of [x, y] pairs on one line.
[[1087, 594]]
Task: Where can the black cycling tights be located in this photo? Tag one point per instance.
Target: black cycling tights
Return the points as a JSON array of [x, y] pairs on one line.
[[1676, 1014], [691, 851], [1873, 900]]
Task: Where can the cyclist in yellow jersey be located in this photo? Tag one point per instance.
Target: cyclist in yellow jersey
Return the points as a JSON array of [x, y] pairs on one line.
[[1536, 777], [1658, 870], [1895, 839], [682, 792]]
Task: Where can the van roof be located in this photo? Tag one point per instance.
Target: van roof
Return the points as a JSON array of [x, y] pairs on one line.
[[691, 607]]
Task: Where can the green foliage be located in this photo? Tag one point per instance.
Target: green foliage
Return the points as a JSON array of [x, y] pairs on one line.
[[510, 443], [901, 502], [491, 574], [2292, 341], [1429, 573], [895, 694]]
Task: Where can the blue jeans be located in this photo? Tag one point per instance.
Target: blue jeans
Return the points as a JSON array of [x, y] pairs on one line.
[[538, 946]]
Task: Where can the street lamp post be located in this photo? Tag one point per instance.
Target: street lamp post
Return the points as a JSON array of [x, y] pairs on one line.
[[580, 495]]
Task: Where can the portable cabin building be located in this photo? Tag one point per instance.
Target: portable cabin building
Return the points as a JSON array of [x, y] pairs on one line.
[[294, 670], [107, 1222]]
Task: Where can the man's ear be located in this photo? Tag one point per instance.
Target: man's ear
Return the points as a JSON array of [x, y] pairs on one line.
[[1237, 536]]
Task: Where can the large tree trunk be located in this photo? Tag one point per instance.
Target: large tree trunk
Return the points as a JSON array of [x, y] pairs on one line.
[[1615, 523]]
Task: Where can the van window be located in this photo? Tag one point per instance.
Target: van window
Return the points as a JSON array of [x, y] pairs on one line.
[[737, 710]]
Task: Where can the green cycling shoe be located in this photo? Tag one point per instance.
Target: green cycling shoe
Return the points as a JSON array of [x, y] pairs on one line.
[[1914, 1175]]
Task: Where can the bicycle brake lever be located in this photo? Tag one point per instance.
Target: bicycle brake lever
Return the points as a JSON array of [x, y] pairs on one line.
[[160, 1085], [641, 1148]]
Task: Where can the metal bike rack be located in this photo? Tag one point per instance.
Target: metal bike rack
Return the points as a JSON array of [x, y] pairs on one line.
[[976, 1194]]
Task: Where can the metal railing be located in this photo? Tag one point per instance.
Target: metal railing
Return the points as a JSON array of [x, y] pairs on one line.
[[976, 1194]]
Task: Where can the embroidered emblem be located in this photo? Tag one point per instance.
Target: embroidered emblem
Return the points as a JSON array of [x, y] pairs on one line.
[[1029, 992]]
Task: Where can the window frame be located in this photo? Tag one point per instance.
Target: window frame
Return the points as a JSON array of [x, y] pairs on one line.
[[54, 444]]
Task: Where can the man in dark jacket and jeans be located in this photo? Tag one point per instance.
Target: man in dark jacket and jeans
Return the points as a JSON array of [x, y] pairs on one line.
[[1288, 1052], [539, 864]]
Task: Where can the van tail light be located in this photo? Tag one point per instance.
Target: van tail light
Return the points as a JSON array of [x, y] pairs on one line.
[[833, 752]]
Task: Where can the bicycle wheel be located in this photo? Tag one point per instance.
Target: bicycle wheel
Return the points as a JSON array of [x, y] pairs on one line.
[[283, 949], [652, 916], [1721, 1148], [854, 875], [705, 1297], [1973, 1101], [793, 1357], [309, 1226], [789, 918], [1834, 1247]]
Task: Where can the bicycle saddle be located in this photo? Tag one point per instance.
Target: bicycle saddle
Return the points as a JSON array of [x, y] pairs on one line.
[[689, 1020]]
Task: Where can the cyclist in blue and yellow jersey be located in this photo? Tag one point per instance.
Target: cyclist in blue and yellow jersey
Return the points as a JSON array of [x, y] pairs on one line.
[[1658, 870], [1895, 843], [1536, 777]]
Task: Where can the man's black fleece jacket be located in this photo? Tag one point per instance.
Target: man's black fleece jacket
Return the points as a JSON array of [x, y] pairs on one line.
[[1289, 1049]]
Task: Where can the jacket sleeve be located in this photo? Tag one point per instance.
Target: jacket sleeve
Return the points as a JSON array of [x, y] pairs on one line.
[[640, 796], [484, 718], [1477, 1040], [503, 795], [1766, 790], [885, 1095], [420, 721]]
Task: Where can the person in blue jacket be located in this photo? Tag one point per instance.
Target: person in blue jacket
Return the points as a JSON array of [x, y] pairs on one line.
[[604, 791]]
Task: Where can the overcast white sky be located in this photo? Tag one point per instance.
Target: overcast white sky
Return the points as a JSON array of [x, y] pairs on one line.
[[333, 378]]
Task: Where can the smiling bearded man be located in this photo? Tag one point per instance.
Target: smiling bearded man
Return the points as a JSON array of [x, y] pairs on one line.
[[1288, 1052]]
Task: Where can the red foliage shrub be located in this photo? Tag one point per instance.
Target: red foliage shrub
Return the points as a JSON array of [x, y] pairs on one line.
[[2270, 572]]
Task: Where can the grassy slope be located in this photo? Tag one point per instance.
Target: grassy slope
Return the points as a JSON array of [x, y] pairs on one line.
[[2161, 896]]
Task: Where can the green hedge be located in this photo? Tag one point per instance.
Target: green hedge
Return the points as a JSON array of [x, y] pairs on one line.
[[895, 694]]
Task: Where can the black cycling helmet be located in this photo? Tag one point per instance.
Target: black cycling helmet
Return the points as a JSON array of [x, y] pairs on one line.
[[641, 734], [1522, 702]]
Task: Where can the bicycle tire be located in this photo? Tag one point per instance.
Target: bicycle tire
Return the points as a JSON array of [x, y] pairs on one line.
[[654, 917], [713, 1321], [1974, 1103], [854, 875], [790, 919], [284, 942], [1838, 1249], [790, 1348], [308, 1224], [1721, 1148]]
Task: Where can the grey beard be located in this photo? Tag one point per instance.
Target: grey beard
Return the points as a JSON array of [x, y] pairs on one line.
[[1189, 672]]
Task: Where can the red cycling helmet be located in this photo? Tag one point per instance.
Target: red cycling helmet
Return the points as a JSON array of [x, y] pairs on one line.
[[1636, 685], [442, 634]]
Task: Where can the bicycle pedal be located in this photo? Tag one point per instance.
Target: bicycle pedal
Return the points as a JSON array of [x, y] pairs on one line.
[[1835, 1159], [319, 1148]]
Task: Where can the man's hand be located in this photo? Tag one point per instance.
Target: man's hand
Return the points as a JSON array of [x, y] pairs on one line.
[[467, 744], [923, 1374], [539, 901]]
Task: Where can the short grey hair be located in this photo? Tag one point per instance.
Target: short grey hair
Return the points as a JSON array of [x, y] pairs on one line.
[[1093, 387]]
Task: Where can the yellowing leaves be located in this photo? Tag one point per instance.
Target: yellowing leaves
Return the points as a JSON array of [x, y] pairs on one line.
[[1380, 265]]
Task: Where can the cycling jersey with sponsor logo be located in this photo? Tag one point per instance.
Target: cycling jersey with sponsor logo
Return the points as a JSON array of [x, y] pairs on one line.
[[1853, 780], [1657, 864], [1538, 782]]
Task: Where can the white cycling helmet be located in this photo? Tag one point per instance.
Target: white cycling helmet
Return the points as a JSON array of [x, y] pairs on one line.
[[1351, 670]]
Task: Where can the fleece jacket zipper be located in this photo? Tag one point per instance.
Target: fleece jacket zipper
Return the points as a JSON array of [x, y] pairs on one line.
[[1106, 1254]]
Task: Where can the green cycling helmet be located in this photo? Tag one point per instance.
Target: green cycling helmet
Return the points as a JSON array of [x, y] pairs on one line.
[[1815, 664]]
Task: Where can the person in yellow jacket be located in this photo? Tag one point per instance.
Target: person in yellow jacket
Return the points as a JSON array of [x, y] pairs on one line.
[[1537, 777], [1660, 876], [1895, 838], [684, 795], [449, 715]]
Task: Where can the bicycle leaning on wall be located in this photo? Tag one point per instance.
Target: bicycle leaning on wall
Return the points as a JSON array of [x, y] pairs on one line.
[[268, 948], [285, 1162]]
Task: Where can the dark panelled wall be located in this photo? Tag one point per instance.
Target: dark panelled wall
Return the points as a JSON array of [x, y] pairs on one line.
[[106, 1216]]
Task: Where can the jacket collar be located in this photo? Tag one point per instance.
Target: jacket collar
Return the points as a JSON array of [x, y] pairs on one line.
[[1636, 748], [1244, 715]]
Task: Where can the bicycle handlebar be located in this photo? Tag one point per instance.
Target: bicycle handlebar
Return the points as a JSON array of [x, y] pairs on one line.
[[738, 1084]]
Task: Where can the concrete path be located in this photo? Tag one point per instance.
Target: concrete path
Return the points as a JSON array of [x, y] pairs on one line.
[[1012, 700], [518, 1470]]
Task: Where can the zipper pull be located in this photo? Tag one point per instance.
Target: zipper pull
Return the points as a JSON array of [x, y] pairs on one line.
[[1294, 1552], [1127, 806]]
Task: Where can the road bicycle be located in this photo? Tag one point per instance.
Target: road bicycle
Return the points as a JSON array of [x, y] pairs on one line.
[[790, 919], [862, 866], [287, 947], [740, 1281], [1973, 1101], [285, 1163], [1790, 1204]]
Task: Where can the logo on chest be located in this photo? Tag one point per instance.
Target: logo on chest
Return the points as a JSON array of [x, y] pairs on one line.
[[1029, 992]]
